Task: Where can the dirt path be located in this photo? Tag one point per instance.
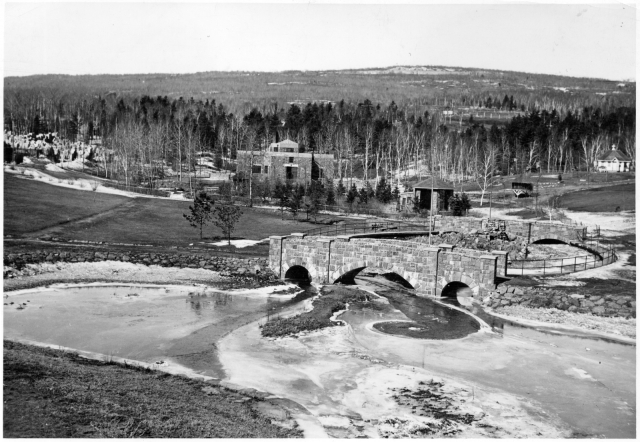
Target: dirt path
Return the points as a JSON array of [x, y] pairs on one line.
[[79, 222]]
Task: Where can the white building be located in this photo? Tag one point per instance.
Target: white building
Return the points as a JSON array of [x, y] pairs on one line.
[[614, 161]]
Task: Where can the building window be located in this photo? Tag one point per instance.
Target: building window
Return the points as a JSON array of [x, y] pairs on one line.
[[266, 169], [256, 169], [275, 148], [291, 159], [291, 173]]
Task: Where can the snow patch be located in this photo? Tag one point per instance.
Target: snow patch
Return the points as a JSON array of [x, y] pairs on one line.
[[239, 243]]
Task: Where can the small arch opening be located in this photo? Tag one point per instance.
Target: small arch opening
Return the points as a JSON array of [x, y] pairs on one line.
[[298, 274], [349, 278], [457, 293], [549, 241]]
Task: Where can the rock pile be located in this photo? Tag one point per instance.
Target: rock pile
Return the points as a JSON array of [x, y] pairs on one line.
[[542, 297], [474, 239]]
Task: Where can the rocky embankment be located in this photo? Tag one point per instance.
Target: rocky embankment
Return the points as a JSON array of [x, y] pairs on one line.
[[46, 266], [15, 262], [620, 305]]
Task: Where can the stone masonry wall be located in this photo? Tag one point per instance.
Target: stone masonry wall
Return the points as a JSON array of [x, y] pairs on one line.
[[427, 269], [232, 266]]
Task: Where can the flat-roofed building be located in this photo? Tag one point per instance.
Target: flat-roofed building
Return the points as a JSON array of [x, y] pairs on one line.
[[283, 161]]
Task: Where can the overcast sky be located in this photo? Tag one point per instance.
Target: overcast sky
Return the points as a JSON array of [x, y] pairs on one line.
[[597, 40]]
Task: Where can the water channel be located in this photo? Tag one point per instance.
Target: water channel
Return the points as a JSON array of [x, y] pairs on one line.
[[579, 383]]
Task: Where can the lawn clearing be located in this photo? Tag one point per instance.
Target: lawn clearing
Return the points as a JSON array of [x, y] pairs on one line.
[[601, 199], [49, 393], [30, 205]]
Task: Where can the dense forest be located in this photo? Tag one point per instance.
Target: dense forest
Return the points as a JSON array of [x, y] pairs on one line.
[[140, 135]]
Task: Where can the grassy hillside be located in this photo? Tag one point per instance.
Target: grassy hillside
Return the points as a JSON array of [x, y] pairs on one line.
[[34, 209], [404, 85], [49, 393]]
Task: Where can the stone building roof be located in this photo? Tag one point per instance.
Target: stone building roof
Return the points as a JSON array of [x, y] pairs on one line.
[[437, 184]]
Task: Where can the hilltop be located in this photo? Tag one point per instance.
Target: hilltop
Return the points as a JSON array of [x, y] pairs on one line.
[[410, 85]]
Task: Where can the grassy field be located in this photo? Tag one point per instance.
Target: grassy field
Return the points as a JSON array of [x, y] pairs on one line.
[[30, 205], [602, 199], [34, 209], [48, 393]]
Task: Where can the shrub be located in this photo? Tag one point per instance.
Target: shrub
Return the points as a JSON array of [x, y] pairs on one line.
[[19, 157]]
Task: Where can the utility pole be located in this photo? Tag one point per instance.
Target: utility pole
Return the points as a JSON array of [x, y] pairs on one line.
[[431, 206]]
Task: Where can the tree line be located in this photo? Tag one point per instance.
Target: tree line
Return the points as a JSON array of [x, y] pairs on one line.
[[140, 140]]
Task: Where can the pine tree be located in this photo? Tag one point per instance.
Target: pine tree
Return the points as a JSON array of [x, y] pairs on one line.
[[363, 196], [296, 199], [200, 211], [226, 217], [395, 194], [352, 195]]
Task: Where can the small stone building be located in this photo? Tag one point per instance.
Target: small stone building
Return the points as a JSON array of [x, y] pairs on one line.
[[284, 161], [442, 191], [614, 161]]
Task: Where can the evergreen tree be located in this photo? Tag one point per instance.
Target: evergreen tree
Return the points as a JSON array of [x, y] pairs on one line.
[[459, 204], [226, 217], [352, 195], [296, 199], [340, 190], [316, 193], [363, 196], [331, 197], [200, 211], [281, 193], [395, 195], [370, 192]]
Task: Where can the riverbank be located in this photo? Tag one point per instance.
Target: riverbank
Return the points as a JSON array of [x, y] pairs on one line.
[[50, 393], [43, 274], [614, 326]]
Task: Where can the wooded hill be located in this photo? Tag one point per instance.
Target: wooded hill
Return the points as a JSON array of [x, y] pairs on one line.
[[401, 127], [417, 87]]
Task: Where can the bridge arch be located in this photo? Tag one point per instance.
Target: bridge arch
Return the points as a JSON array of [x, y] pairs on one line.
[[298, 273], [449, 286], [349, 277], [353, 269], [549, 241], [293, 264], [457, 291]]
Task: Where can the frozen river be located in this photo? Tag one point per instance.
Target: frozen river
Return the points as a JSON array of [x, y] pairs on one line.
[[559, 384]]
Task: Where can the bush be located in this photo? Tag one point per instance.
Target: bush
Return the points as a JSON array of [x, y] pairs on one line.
[[19, 157]]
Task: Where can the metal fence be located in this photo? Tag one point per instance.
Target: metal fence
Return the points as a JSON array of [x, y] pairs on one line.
[[559, 266]]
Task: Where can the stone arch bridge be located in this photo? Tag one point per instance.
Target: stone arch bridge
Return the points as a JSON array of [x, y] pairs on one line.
[[429, 269]]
